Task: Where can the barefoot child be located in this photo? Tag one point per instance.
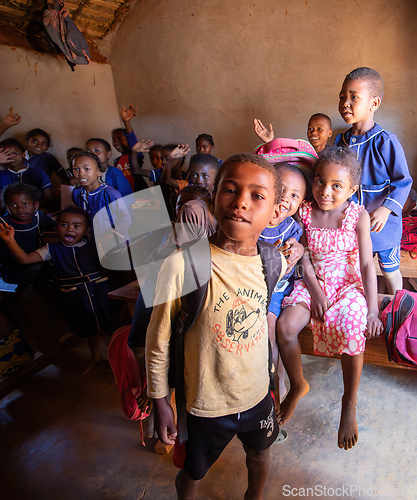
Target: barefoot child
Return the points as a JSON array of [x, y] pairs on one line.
[[85, 305], [285, 232], [226, 376], [338, 292], [386, 181]]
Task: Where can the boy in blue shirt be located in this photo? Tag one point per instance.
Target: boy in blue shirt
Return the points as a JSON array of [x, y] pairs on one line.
[[386, 181]]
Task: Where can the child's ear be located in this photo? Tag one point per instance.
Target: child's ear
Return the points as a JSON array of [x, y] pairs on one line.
[[36, 205], [275, 219], [353, 190], [330, 133], [375, 103]]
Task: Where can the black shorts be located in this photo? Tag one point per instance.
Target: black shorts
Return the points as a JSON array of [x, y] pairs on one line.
[[257, 428]]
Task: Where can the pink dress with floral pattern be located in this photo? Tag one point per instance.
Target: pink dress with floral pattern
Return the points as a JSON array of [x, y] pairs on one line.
[[335, 257]]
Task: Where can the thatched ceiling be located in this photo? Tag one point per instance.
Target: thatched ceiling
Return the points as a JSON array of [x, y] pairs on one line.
[[21, 22]]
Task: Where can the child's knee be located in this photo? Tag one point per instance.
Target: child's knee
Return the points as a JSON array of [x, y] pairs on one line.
[[287, 328], [258, 457]]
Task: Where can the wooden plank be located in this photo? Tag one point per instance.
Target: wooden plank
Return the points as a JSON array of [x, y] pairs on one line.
[[12, 12], [375, 349]]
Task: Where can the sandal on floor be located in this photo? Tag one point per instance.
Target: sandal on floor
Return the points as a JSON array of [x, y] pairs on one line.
[[282, 436]]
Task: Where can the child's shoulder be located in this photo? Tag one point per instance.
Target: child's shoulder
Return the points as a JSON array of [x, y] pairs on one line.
[[285, 229]]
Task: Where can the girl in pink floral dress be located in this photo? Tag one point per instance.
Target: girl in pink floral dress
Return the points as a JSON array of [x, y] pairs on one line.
[[338, 292]]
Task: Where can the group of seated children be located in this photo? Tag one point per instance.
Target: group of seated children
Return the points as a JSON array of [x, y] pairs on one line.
[[346, 201], [26, 186]]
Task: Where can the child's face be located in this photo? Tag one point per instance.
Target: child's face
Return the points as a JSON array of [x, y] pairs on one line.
[[164, 155], [16, 161], [87, 173], [37, 144], [120, 142], [318, 132], [202, 175], [156, 159], [203, 146], [22, 208], [71, 228], [356, 103], [70, 155], [332, 186], [293, 192], [100, 151], [244, 204]]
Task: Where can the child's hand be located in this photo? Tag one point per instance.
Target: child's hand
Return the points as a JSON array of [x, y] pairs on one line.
[[64, 12], [164, 421], [262, 132], [319, 305], [128, 113], [180, 151], [5, 155], [379, 217], [292, 250], [6, 232], [12, 118], [142, 146], [374, 326]]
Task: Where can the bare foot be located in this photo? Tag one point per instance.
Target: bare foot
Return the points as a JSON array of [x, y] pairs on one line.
[[91, 364], [287, 407], [348, 429]]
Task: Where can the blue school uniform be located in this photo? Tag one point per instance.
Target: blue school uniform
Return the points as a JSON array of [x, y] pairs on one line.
[[29, 238], [116, 179], [32, 176], [95, 200], [85, 304], [385, 179], [116, 217], [48, 164], [288, 228]]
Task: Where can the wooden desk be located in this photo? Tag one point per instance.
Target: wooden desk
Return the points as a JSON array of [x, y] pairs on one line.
[[128, 293], [408, 265]]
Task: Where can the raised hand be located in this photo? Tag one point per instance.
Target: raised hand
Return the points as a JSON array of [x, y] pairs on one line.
[[127, 113], [262, 132], [5, 155], [6, 232], [142, 146], [12, 118], [180, 151]]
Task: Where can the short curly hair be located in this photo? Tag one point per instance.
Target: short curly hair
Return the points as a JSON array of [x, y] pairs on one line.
[[373, 79], [345, 158], [256, 160]]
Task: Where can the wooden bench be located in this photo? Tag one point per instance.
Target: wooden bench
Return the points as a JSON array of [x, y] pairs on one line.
[[408, 265], [375, 350]]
